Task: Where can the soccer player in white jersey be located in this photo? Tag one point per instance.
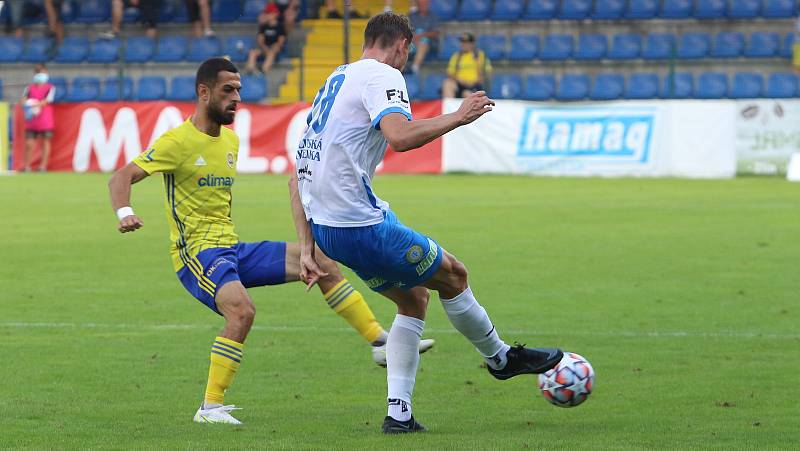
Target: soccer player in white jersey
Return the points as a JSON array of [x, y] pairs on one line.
[[361, 107]]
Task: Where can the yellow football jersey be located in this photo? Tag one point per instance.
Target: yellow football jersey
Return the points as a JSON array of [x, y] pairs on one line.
[[199, 171]]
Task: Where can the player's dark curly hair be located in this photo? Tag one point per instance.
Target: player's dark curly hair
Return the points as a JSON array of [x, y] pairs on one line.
[[208, 71], [386, 28]]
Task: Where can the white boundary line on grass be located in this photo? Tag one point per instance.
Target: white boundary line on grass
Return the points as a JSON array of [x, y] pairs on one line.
[[519, 332]]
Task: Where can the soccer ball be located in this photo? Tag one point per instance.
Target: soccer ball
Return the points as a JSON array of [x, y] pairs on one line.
[[569, 383]]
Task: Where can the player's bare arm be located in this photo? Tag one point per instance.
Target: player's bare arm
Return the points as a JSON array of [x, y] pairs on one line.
[[310, 271], [119, 188], [404, 135]]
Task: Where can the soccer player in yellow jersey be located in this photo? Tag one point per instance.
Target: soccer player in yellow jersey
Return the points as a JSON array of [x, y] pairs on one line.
[[198, 163]]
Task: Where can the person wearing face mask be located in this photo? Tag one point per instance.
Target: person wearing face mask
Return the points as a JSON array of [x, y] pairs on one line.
[[37, 102]]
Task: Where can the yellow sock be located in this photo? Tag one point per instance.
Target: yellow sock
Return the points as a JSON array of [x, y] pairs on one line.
[[348, 303], [225, 357]]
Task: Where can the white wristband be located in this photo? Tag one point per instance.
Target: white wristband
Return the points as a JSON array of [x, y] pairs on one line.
[[124, 212]]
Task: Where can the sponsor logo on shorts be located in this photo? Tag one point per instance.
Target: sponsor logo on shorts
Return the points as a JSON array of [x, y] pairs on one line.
[[433, 252], [217, 263], [414, 254]]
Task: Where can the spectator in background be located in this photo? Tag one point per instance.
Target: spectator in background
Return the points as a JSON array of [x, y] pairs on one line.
[[199, 12], [148, 15], [17, 11], [467, 69], [55, 24], [39, 122], [288, 11], [426, 32], [333, 11], [270, 39]]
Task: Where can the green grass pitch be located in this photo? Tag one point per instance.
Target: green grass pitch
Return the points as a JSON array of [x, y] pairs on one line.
[[682, 294]]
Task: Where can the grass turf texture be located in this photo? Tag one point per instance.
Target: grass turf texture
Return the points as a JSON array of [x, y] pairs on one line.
[[682, 294]]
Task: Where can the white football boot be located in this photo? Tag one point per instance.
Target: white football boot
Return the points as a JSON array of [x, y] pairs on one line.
[[379, 352], [219, 415]]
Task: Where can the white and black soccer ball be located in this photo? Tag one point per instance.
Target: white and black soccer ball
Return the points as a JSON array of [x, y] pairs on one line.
[[569, 383]]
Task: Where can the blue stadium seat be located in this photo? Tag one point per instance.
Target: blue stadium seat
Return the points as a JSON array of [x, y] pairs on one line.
[[445, 9], [676, 9], [474, 10], [202, 49], [450, 45], [524, 47], [167, 11], [774, 9], [541, 9], [782, 86], [712, 85], [681, 86], [744, 9], [626, 46], [60, 83], [225, 10], [747, 85], [694, 46], [110, 91], [710, 9], [152, 88], [181, 88], [238, 47], [104, 51], [36, 51], [412, 85], [93, 11], [642, 9], [539, 87], [763, 45], [788, 43], [660, 46], [139, 49], [573, 87], [608, 9], [493, 45], [642, 86], [591, 47], [130, 15], [251, 10], [171, 49], [11, 49], [728, 45], [83, 89], [72, 50], [575, 9], [507, 9], [432, 88], [556, 47], [254, 88], [506, 86], [607, 87]]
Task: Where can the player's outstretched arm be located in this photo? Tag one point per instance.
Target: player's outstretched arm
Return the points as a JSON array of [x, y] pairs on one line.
[[310, 271], [404, 135], [119, 188]]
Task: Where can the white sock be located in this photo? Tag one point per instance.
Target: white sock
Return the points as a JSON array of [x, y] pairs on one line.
[[402, 359], [470, 318]]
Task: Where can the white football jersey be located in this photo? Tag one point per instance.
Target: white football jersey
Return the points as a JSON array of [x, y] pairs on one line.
[[343, 144]]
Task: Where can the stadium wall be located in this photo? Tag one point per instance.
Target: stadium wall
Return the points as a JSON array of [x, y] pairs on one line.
[[4, 121]]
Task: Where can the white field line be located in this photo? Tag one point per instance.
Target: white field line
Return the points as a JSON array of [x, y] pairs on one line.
[[432, 331]]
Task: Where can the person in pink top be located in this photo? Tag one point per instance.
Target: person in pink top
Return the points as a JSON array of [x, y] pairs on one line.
[[39, 123]]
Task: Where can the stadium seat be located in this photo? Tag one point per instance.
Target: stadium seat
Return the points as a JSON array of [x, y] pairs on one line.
[[171, 49], [642, 9], [130, 15], [747, 85], [139, 49], [679, 86], [541, 9], [712, 85], [445, 9], [575, 9], [788, 43], [493, 45], [524, 47], [11, 49], [506, 86], [432, 88], [774, 9], [782, 86], [167, 11], [37, 50], [251, 10], [507, 9], [152, 88], [660, 46], [573, 87], [608, 9], [626, 46], [83, 89], [728, 45], [642, 86], [238, 47], [111, 89], [710, 9], [225, 10], [72, 50], [591, 47], [412, 85], [539, 87], [763, 45], [60, 83], [474, 10], [744, 9], [607, 87], [93, 11], [182, 88], [694, 46], [202, 49], [676, 9], [556, 47], [450, 45], [104, 51]]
